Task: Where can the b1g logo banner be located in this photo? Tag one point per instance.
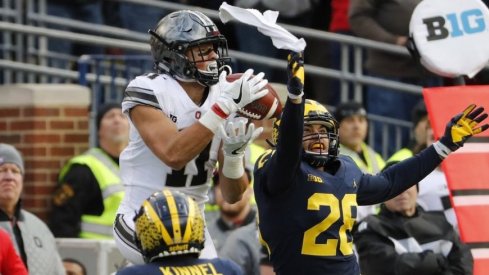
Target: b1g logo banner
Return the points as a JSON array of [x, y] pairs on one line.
[[455, 25], [451, 36]]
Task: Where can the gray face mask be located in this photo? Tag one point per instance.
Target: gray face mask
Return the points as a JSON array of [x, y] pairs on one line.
[[211, 69]]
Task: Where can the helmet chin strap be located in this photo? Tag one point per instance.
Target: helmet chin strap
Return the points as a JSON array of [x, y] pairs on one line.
[[211, 68], [227, 68], [316, 159]]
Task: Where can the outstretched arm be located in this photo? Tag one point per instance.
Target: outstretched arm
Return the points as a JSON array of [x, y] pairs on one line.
[[287, 158], [176, 148], [399, 177], [236, 138]]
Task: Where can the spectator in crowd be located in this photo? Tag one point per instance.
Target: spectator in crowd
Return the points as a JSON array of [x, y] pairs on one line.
[[243, 247], [405, 239], [339, 24], [433, 193], [129, 17], [169, 232], [388, 22], [291, 12], [172, 132], [33, 241], [231, 216], [353, 130], [10, 262], [90, 188], [74, 267], [419, 118], [90, 11], [307, 194]]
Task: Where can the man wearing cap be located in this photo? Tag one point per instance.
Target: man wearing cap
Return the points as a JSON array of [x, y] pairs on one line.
[[33, 241], [352, 119], [433, 189], [90, 189], [419, 118], [405, 239]]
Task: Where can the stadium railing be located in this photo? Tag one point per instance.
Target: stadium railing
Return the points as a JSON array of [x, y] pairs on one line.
[[25, 55]]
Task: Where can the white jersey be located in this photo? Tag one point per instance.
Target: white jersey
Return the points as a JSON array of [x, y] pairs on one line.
[[143, 173], [434, 195]]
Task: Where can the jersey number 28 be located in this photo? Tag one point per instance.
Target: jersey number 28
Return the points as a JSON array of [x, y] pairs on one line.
[[309, 244]]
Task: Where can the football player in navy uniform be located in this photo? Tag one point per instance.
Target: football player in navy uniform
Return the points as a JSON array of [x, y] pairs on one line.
[[307, 194], [170, 235]]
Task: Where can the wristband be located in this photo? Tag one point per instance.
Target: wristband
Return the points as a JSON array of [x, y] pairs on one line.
[[233, 167], [293, 96], [212, 120], [441, 149]]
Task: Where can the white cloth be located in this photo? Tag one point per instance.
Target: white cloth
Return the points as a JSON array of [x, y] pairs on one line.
[[266, 23], [432, 190]]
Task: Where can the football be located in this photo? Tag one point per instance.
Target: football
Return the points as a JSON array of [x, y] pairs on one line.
[[264, 108]]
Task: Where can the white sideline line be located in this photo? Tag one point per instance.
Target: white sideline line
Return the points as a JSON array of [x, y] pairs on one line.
[[473, 148], [471, 200], [480, 253]]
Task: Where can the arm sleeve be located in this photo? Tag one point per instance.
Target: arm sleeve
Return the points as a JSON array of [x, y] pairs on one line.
[[77, 194], [11, 263], [378, 256], [397, 178], [287, 158], [138, 92]]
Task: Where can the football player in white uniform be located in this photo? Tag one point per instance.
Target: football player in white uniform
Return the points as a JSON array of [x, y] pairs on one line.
[[174, 115]]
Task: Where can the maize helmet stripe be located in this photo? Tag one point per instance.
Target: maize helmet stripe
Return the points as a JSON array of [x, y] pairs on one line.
[[154, 217], [190, 220], [175, 219]]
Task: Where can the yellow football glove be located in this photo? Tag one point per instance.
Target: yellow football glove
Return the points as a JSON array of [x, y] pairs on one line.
[[462, 126], [295, 75]]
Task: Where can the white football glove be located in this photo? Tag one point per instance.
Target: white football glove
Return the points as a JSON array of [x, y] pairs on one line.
[[235, 95], [235, 139]]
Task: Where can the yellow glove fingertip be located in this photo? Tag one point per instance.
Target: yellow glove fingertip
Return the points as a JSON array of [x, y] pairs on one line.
[[468, 110]]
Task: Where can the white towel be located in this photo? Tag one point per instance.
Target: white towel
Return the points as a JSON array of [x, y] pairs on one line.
[[266, 23]]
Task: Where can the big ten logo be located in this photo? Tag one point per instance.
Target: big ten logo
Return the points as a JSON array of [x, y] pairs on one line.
[[466, 22]]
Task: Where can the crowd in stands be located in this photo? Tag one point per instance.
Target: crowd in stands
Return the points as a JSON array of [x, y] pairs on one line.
[[146, 138]]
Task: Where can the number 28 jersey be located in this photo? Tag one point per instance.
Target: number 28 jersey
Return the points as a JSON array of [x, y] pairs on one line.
[[308, 228], [142, 172]]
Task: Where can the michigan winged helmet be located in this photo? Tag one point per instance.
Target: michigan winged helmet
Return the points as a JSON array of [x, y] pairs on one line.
[[316, 113], [169, 223]]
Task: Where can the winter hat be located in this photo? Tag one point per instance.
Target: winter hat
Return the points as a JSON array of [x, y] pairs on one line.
[[8, 154], [418, 112], [348, 109], [103, 109]]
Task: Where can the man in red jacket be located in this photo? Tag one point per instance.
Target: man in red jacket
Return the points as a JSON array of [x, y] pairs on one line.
[[10, 262]]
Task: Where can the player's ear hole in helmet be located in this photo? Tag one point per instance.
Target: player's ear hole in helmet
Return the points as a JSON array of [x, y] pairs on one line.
[[316, 113], [169, 223], [181, 31]]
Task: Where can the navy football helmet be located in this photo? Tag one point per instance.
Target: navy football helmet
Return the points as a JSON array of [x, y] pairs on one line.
[[316, 113], [169, 223], [180, 31]]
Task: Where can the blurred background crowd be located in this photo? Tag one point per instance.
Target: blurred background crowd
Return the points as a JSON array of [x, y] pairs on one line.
[[65, 64]]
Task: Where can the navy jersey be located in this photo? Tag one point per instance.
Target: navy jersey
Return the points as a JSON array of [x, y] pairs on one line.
[[306, 215], [177, 266]]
